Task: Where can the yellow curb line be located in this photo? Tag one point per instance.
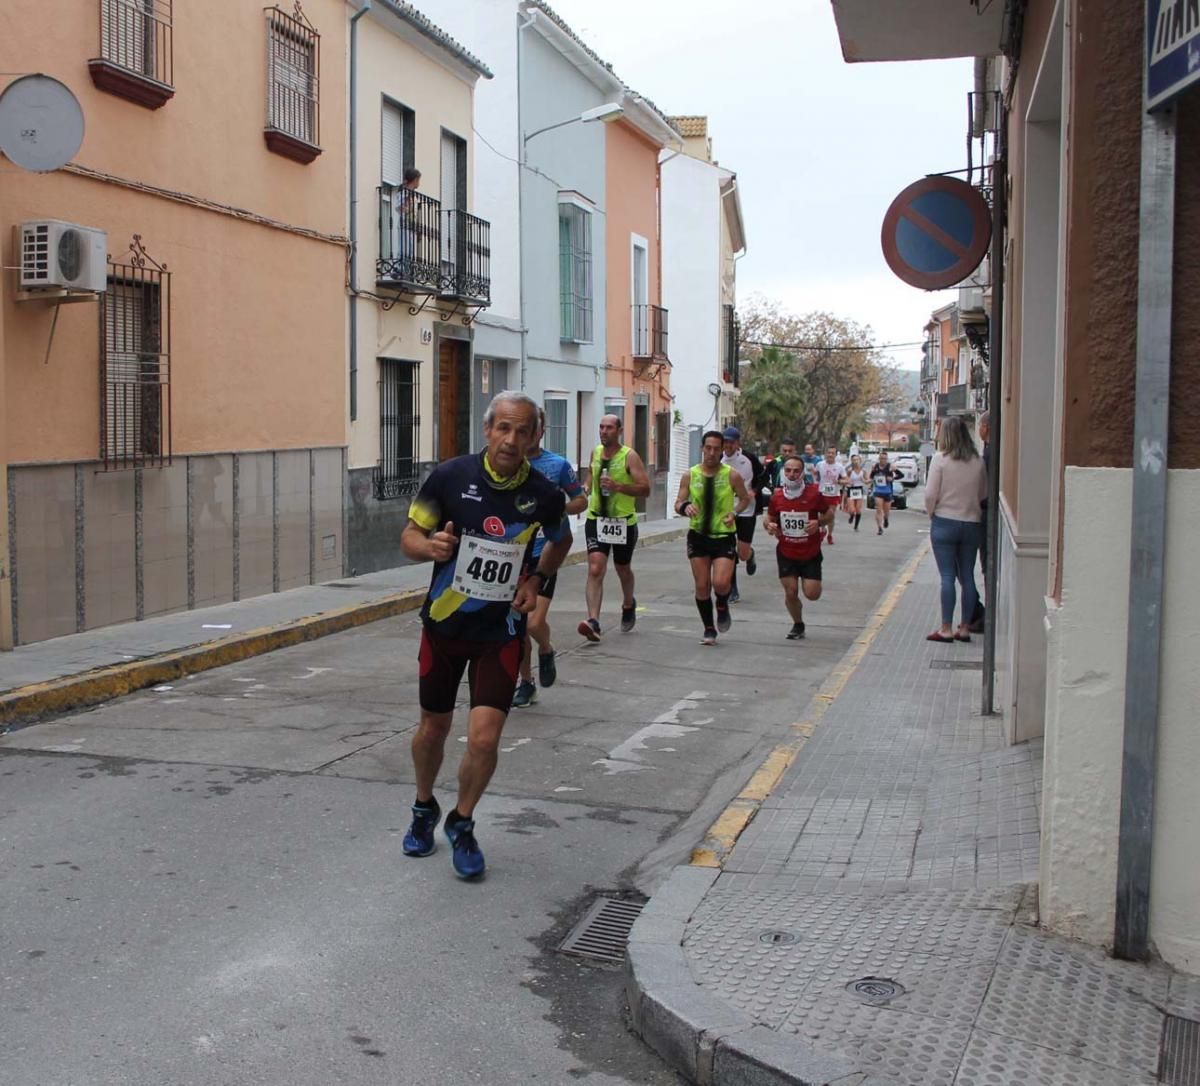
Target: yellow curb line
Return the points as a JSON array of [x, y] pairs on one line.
[[722, 835], [27, 704]]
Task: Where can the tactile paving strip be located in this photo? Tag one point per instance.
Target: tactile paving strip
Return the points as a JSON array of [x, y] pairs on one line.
[[1001, 1061], [1184, 996], [1070, 997]]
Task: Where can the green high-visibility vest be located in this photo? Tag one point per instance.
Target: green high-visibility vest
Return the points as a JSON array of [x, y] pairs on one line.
[[724, 501], [616, 506]]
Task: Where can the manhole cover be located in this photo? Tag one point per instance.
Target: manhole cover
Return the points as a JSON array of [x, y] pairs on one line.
[[778, 938], [956, 665], [875, 989], [603, 931]]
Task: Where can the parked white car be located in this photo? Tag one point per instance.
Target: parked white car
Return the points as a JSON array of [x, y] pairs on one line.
[[906, 465]]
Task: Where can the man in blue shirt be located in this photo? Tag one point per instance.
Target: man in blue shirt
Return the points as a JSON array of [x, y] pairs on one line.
[[475, 518], [559, 471]]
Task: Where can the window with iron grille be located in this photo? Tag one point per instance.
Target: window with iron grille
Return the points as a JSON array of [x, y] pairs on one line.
[[575, 272], [398, 473], [136, 60], [662, 440], [293, 76], [135, 367], [555, 438]]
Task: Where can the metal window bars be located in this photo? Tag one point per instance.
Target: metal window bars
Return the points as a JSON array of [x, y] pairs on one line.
[[137, 35], [467, 257], [398, 472], [732, 345], [293, 67], [135, 363], [575, 273], [650, 332], [410, 240]]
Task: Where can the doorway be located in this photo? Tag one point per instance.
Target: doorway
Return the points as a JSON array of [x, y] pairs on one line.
[[454, 398], [641, 440]]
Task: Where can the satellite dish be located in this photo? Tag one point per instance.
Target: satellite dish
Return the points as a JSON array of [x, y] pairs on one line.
[[41, 123]]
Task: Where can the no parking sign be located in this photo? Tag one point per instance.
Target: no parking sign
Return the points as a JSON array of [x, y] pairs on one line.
[[936, 232]]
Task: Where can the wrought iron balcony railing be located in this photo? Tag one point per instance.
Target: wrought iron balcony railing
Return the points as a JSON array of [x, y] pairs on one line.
[[411, 243], [466, 258], [732, 345], [650, 332]]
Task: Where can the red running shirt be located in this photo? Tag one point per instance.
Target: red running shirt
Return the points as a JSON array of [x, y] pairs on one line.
[[792, 514]]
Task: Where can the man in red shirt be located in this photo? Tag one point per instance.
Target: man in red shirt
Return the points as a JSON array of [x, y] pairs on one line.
[[795, 516]]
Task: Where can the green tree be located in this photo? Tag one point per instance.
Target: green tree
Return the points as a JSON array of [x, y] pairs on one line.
[[773, 398], [914, 443]]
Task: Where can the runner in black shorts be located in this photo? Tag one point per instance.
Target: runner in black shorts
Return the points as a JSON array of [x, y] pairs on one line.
[[795, 516], [475, 518], [711, 495]]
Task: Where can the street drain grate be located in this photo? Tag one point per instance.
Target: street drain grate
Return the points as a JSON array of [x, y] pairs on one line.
[[603, 931], [956, 665], [875, 989], [1181, 1052], [778, 938]]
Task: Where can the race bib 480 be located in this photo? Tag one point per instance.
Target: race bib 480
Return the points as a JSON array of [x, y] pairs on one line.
[[487, 569]]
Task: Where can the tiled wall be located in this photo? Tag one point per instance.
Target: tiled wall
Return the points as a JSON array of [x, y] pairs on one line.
[[93, 548]]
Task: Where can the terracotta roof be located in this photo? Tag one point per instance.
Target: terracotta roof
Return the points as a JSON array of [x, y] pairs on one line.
[[436, 34], [690, 126], [557, 20]]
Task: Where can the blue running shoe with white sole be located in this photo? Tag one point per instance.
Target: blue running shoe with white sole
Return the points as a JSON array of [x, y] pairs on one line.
[[467, 856], [420, 841]]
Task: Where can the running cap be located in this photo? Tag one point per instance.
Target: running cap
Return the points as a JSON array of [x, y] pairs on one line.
[[732, 433]]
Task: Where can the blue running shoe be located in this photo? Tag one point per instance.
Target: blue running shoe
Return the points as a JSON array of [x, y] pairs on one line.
[[467, 857], [419, 841], [525, 694]]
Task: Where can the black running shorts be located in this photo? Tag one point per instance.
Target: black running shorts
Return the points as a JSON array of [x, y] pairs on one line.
[[711, 546], [745, 528], [807, 569], [491, 668], [622, 554]]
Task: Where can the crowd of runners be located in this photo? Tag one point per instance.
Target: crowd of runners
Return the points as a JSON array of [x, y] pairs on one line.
[[495, 525]]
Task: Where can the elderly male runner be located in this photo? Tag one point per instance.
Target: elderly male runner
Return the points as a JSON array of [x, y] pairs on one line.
[[616, 478], [559, 471], [475, 518], [795, 516], [712, 495]]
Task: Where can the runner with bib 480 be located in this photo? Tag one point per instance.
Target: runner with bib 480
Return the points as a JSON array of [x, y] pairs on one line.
[[616, 478], [475, 518]]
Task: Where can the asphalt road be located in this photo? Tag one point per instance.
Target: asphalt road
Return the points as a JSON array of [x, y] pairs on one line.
[[203, 883]]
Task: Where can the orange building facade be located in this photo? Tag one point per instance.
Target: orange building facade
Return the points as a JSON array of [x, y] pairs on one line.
[[175, 432]]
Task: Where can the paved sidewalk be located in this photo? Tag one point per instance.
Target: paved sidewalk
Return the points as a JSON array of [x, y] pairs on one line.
[[86, 668], [875, 923]]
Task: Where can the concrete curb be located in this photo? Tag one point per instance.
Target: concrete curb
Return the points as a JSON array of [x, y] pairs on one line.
[[28, 704], [696, 1032]]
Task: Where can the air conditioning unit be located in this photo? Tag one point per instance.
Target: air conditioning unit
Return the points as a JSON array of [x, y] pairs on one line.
[[57, 255]]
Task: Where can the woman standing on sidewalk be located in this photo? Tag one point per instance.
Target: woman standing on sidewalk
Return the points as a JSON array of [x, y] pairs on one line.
[[954, 491]]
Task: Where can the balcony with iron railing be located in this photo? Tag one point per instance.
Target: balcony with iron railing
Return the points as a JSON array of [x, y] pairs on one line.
[[650, 333], [731, 332], [136, 58], [466, 258], [410, 241]]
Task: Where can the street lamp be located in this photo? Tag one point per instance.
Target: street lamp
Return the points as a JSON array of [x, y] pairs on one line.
[[610, 111]]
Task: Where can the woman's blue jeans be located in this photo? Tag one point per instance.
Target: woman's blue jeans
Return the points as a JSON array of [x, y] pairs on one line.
[[955, 545]]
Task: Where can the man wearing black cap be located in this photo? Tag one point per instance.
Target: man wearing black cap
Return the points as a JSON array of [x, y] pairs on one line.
[[748, 467]]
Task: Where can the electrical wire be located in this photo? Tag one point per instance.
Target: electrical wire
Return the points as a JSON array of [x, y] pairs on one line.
[[827, 347]]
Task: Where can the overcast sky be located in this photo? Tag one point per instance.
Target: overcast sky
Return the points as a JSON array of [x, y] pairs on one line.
[[820, 146]]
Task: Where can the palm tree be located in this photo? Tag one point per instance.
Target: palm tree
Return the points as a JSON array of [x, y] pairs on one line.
[[773, 398]]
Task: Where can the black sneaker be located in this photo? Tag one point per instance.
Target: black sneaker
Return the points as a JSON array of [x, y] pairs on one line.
[[885, 522], [724, 619], [796, 632], [751, 564], [419, 841], [547, 669], [879, 531], [710, 636], [467, 856], [525, 694], [590, 628], [734, 596], [628, 617]]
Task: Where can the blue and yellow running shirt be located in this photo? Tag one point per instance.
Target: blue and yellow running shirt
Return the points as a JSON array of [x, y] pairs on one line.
[[496, 520], [559, 471]]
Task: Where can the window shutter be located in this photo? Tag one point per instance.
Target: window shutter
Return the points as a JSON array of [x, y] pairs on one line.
[[392, 163]]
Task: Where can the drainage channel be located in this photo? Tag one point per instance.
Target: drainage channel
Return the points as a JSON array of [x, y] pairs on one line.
[[603, 932]]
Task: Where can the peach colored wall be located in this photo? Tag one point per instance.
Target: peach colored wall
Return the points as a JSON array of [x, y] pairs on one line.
[[258, 314], [631, 184]]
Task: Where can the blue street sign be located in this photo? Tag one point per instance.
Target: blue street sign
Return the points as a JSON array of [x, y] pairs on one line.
[[1172, 49]]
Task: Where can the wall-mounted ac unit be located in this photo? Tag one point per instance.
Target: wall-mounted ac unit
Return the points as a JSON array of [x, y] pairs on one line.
[[57, 255]]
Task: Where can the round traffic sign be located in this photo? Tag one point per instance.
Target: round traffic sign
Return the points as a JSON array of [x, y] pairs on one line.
[[936, 232]]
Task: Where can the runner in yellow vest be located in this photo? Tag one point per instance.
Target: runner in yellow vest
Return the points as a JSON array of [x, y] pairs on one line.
[[615, 479], [711, 495]]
